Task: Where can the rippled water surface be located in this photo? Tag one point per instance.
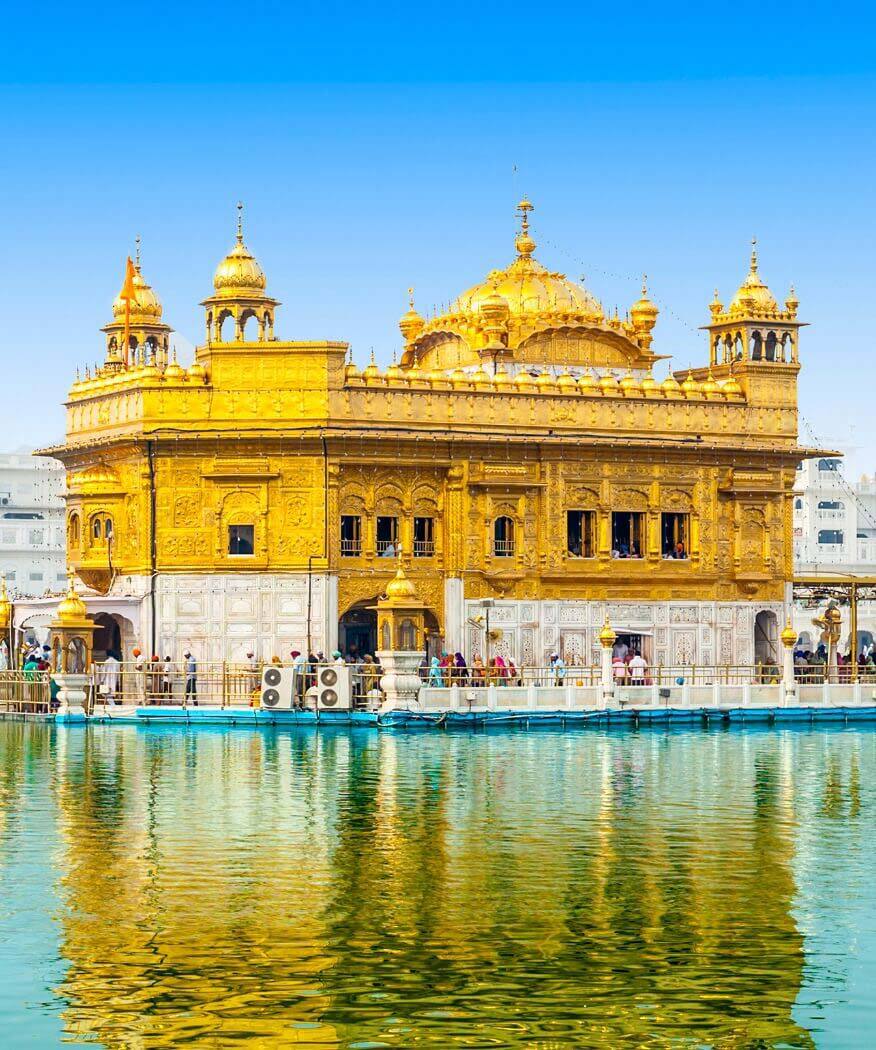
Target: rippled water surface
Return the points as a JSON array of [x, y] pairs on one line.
[[165, 888]]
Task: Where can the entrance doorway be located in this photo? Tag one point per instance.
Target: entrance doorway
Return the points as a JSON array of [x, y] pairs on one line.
[[107, 636], [766, 638], [357, 629], [629, 642]]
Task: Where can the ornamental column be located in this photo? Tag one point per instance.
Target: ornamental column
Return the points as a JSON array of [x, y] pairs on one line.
[[789, 684], [607, 638]]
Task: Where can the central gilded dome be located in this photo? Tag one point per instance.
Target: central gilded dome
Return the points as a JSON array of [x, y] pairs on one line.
[[528, 287]]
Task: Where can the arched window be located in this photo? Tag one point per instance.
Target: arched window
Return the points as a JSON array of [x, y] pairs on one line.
[[73, 530], [108, 528], [771, 346], [96, 529], [798, 504], [756, 349], [503, 537]]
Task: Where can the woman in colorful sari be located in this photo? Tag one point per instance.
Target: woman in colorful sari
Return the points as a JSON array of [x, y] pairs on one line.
[[460, 669], [435, 679]]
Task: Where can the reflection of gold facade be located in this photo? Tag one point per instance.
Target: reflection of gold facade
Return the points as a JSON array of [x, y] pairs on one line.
[[523, 399]]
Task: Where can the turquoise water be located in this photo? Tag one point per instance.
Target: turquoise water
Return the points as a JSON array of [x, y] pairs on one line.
[[219, 888]]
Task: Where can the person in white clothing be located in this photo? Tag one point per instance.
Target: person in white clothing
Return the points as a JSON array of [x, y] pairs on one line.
[[109, 678], [638, 668]]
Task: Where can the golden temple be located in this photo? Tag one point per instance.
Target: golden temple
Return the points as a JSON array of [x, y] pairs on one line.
[[521, 450]]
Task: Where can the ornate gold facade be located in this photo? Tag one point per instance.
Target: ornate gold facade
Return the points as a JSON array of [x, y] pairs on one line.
[[523, 401]]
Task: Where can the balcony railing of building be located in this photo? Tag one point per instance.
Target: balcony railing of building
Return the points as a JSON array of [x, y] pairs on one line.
[[503, 548], [351, 548], [424, 548]]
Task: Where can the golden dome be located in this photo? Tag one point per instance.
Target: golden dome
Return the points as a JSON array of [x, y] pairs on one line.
[[239, 273], [649, 384], [411, 324], [351, 371], [524, 381], [753, 294], [710, 387], [630, 385], [526, 286], [565, 382], [546, 382], [788, 635], [72, 609], [607, 635], [437, 375], [197, 373], [146, 306], [173, 370], [608, 382], [690, 386], [587, 382], [400, 587], [372, 371], [479, 377], [501, 378], [670, 385], [731, 386], [643, 313], [458, 377]]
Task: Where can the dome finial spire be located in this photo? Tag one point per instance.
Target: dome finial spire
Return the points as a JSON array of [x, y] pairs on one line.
[[524, 243], [240, 222], [137, 251], [754, 254]]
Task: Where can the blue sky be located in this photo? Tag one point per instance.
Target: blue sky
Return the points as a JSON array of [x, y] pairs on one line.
[[376, 148]]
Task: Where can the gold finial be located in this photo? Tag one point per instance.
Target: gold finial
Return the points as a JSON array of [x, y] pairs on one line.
[[137, 251], [373, 362], [754, 254], [173, 356], [240, 222], [411, 297], [350, 354], [524, 243], [644, 286]]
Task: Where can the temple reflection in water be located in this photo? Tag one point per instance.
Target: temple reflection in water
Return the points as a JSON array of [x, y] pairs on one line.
[[281, 888]]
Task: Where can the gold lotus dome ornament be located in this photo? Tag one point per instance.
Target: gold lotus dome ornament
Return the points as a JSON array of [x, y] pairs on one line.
[[411, 324], [526, 287], [753, 294], [670, 385], [72, 609], [173, 370], [400, 587], [371, 372], [501, 379], [690, 387], [587, 383], [239, 272], [644, 313], [566, 382], [146, 306]]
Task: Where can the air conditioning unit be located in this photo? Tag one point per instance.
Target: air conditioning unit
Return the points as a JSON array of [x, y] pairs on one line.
[[334, 688], [278, 688], [4, 501]]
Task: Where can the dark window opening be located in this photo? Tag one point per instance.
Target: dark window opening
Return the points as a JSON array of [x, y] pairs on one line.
[[351, 535], [241, 539], [503, 537], [830, 504], [581, 533], [387, 537], [424, 537], [22, 516], [830, 536], [798, 504], [828, 464], [675, 530], [627, 529]]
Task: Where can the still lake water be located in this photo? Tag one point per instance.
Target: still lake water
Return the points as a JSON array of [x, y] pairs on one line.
[[170, 888]]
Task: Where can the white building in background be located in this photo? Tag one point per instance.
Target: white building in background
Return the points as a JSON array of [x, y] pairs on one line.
[[32, 540], [834, 536]]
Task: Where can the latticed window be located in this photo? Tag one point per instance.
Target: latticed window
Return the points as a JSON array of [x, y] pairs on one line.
[[424, 537], [351, 535], [503, 537]]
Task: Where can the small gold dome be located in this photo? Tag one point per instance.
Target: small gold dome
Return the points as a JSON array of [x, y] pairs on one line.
[[753, 294], [411, 324], [607, 635], [197, 373], [437, 375], [649, 384], [524, 381], [670, 385], [394, 372], [239, 273], [146, 306], [458, 378], [792, 302], [546, 382], [400, 587], [72, 609], [173, 370], [788, 635], [643, 313], [630, 384], [587, 383], [565, 382], [690, 386], [710, 387], [479, 377], [493, 307], [351, 371], [371, 372], [501, 378], [608, 383], [731, 386]]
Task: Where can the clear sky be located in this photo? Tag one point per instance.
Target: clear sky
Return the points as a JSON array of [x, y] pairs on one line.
[[377, 147]]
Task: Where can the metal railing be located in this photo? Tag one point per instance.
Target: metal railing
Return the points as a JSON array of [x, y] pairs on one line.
[[219, 684], [25, 692], [351, 548]]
